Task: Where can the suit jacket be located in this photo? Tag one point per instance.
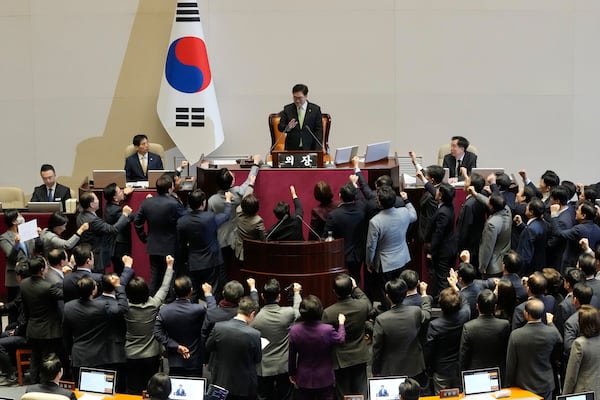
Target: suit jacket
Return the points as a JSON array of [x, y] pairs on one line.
[[318, 217], [247, 227], [556, 244], [483, 343], [520, 290], [469, 227], [180, 323], [41, 308], [313, 122], [532, 245], [51, 388], [51, 241], [61, 193], [14, 255], [289, 228], [161, 212], [518, 317], [94, 330], [583, 374], [133, 167], [427, 208], [586, 229], [100, 235], [347, 221], [197, 237], [386, 238], [70, 289], [370, 197], [238, 350], [533, 351], [111, 214], [469, 161], [310, 353], [564, 310], [396, 345], [274, 323], [469, 293], [441, 233], [495, 241], [54, 277], [356, 308]]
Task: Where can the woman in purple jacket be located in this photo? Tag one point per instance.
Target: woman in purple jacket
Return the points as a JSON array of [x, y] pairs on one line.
[[311, 341]]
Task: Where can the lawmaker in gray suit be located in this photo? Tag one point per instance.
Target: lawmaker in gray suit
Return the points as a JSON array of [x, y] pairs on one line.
[[583, 374]]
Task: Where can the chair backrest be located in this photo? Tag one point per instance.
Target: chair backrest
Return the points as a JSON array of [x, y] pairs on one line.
[[276, 133], [12, 197], [155, 148], [43, 396], [445, 149]]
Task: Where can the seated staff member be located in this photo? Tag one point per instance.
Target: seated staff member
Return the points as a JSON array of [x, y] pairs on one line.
[[137, 165], [302, 122], [459, 157], [50, 190]]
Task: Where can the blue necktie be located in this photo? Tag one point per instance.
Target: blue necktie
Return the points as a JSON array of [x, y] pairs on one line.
[[50, 196]]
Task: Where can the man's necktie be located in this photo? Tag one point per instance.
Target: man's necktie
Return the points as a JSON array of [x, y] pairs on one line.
[[144, 165], [23, 247], [458, 164], [301, 122], [50, 195]]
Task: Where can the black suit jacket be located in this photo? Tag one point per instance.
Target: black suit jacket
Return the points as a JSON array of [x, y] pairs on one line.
[[61, 193], [101, 236], [41, 308], [440, 232], [469, 227], [291, 227], [94, 330], [52, 388], [469, 161], [133, 167], [70, 289], [348, 222], [313, 122], [238, 350], [483, 343], [161, 212]]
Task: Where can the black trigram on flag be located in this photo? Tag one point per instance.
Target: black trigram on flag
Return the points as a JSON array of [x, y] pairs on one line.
[[187, 11], [189, 116]]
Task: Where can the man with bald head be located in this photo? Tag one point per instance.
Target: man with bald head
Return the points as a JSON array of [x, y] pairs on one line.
[[533, 352]]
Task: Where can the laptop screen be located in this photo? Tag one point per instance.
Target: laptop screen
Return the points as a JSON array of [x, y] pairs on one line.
[[481, 381], [377, 151], [101, 381], [187, 388], [384, 388], [577, 396], [344, 155]]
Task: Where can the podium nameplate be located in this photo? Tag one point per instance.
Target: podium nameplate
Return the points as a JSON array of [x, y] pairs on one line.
[[297, 159]]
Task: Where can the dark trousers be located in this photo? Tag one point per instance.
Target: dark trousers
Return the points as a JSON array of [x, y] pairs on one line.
[[11, 294], [354, 270], [351, 380], [158, 266], [326, 393], [41, 348], [121, 249], [276, 387], [180, 371], [139, 372], [199, 277], [441, 271]]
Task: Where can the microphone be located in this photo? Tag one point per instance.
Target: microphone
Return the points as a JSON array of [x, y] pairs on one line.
[[315, 137], [276, 226], [309, 228], [277, 142]]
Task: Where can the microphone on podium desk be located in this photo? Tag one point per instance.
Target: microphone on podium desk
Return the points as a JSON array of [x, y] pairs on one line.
[[276, 226], [309, 228], [285, 132], [320, 144]]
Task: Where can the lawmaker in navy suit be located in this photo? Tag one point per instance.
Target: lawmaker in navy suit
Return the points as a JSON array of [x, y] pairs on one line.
[[532, 240], [302, 122], [459, 157], [134, 164], [51, 190]]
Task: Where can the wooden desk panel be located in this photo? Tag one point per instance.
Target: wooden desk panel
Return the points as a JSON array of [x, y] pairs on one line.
[[516, 393]]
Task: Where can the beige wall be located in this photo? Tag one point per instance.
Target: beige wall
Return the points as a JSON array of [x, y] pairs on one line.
[[517, 77]]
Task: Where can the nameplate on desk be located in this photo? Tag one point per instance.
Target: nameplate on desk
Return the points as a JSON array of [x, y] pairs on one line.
[[297, 160]]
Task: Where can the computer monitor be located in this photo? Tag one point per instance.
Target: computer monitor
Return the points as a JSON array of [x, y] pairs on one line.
[[344, 155], [186, 388], [385, 388], [377, 151], [577, 396], [154, 174], [97, 381], [44, 206], [485, 172], [478, 381], [104, 177]]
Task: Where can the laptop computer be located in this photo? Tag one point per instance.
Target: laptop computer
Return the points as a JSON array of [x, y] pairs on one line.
[[186, 388], [377, 151], [96, 384], [577, 396], [485, 172], [44, 206], [154, 174], [344, 155], [385, 388], [104, 177], [481, 383]]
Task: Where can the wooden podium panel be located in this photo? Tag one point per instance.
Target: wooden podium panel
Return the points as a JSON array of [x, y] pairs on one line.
[[312, 264]]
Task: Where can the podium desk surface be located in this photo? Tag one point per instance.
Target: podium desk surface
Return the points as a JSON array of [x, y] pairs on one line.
[[515, 393]]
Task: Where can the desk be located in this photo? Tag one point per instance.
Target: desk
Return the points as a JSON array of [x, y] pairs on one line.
[[516, 393], [117, 396]]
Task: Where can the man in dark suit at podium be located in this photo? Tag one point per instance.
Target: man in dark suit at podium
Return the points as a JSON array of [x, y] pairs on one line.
[[302, 122], [459, 157], [138, 164], [50, 190]]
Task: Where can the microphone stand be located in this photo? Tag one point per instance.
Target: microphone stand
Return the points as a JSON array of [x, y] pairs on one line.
[[310, 228], [285, 132], [276, 226], [329, 163]]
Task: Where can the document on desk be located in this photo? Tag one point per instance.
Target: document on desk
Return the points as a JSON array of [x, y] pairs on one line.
[[28, 230]]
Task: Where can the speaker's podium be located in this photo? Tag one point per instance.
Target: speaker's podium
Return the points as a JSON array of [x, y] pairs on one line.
[[297, 159], [312, 264]]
